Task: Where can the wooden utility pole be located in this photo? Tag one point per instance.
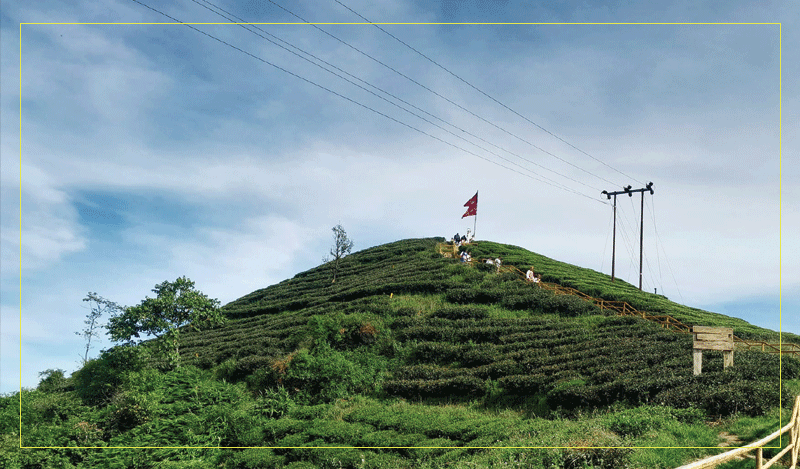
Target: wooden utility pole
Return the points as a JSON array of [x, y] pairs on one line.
[[629, 191]]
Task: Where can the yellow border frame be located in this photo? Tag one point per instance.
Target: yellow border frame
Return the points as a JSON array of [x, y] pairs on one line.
[[780, 244]]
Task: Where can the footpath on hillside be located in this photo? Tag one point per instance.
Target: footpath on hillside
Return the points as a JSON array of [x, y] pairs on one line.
[[621, 308]]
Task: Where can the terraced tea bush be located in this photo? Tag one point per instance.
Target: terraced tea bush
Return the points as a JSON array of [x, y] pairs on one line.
[[459, 386]]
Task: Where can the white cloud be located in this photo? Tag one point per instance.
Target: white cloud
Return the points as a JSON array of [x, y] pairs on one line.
[[50, 229]]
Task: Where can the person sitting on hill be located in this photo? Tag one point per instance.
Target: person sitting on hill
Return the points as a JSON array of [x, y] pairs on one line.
[[470, 237], [464, 256], [463, 240], [456, 239], [490, 261], [530, 276], [497, 263]]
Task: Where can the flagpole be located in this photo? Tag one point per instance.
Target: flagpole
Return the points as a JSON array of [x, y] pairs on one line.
[[475, 221]]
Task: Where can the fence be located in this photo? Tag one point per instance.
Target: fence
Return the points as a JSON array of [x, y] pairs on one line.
[[622, 308], [793, 427]]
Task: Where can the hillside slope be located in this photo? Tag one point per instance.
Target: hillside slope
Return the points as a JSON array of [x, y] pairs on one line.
[[409, 360], [412, 267]]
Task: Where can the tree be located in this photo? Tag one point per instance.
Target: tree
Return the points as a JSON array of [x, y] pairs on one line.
[[98, 306], [341, 247], [177, 305]]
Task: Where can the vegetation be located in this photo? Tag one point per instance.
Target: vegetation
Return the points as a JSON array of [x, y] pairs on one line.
[[98, 307], [176, 307], [342, 245], [408, 360]]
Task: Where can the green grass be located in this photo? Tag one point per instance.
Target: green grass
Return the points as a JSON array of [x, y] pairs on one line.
[[409, 350]]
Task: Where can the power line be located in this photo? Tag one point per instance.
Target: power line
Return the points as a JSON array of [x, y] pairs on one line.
[[381, 90], [436, 93], [669, 265], [353, 101], [484, 93]]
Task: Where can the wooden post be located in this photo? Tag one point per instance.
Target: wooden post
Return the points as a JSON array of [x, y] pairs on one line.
[[712, 338], [698, 361], [727, 358], [759, 457]]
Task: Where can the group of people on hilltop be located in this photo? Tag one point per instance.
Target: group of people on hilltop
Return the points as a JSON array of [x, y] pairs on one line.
[[460, 240], [530, 276]]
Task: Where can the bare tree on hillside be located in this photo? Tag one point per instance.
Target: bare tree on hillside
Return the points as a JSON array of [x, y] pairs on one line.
[[98, 306], [342, 245]]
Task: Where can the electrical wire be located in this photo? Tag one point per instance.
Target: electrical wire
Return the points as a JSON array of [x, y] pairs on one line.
[[436, 93], [356, 102], [486, 94], [223, 14], [666, 258], [608, 235]]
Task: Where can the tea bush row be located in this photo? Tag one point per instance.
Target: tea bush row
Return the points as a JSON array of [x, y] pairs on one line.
[[458, 386]]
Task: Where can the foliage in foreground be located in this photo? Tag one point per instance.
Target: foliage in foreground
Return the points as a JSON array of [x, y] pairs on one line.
[[438, 363]]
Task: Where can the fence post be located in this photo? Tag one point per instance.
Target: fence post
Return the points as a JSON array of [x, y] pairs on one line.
[[795, 441], [759, 457]]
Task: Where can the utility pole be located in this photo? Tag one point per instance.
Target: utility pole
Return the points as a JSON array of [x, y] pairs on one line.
[[629, 191]]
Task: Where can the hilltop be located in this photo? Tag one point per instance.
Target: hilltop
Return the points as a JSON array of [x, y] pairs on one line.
[[411, 359], [413, 270]]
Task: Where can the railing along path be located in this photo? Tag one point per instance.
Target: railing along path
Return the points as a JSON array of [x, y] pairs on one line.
[[622, 308], [793, 427]]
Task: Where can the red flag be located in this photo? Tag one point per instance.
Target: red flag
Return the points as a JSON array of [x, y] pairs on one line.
[[472, 206]]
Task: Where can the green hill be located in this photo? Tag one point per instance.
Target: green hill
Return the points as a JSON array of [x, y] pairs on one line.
[[411, 359]]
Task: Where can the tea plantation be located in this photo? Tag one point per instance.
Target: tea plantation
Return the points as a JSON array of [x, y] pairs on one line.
[[410, 359]]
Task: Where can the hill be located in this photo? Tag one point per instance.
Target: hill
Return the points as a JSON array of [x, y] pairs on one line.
[[410, 359]]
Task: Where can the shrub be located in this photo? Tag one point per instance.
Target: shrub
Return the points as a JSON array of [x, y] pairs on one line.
[[233, 370], [274, 403], [458, 386], [98, 380], [580, 458], [325, 375], [726, 398], [253, 459], [129, 409], [461, 312], [347, 331], [53, 380]]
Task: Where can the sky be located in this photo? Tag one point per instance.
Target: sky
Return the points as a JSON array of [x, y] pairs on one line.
[[146, 152]]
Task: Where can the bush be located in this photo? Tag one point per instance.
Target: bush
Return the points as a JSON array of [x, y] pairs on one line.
[[461, 312], [274, 403], [53, 380], [129, 409], [347, 331], [726, 398], [261, 458], [233, 370], [98, 380], [458, 386], [325, 375]]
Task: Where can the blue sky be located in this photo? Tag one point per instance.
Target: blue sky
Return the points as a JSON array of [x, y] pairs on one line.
[[154, 151]]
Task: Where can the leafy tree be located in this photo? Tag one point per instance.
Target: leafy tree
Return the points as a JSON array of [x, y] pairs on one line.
[[98, 307], [176, 305], [342, 245], [52, 380]]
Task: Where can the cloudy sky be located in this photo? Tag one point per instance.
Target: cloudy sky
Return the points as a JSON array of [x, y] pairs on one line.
[[152, 151]]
